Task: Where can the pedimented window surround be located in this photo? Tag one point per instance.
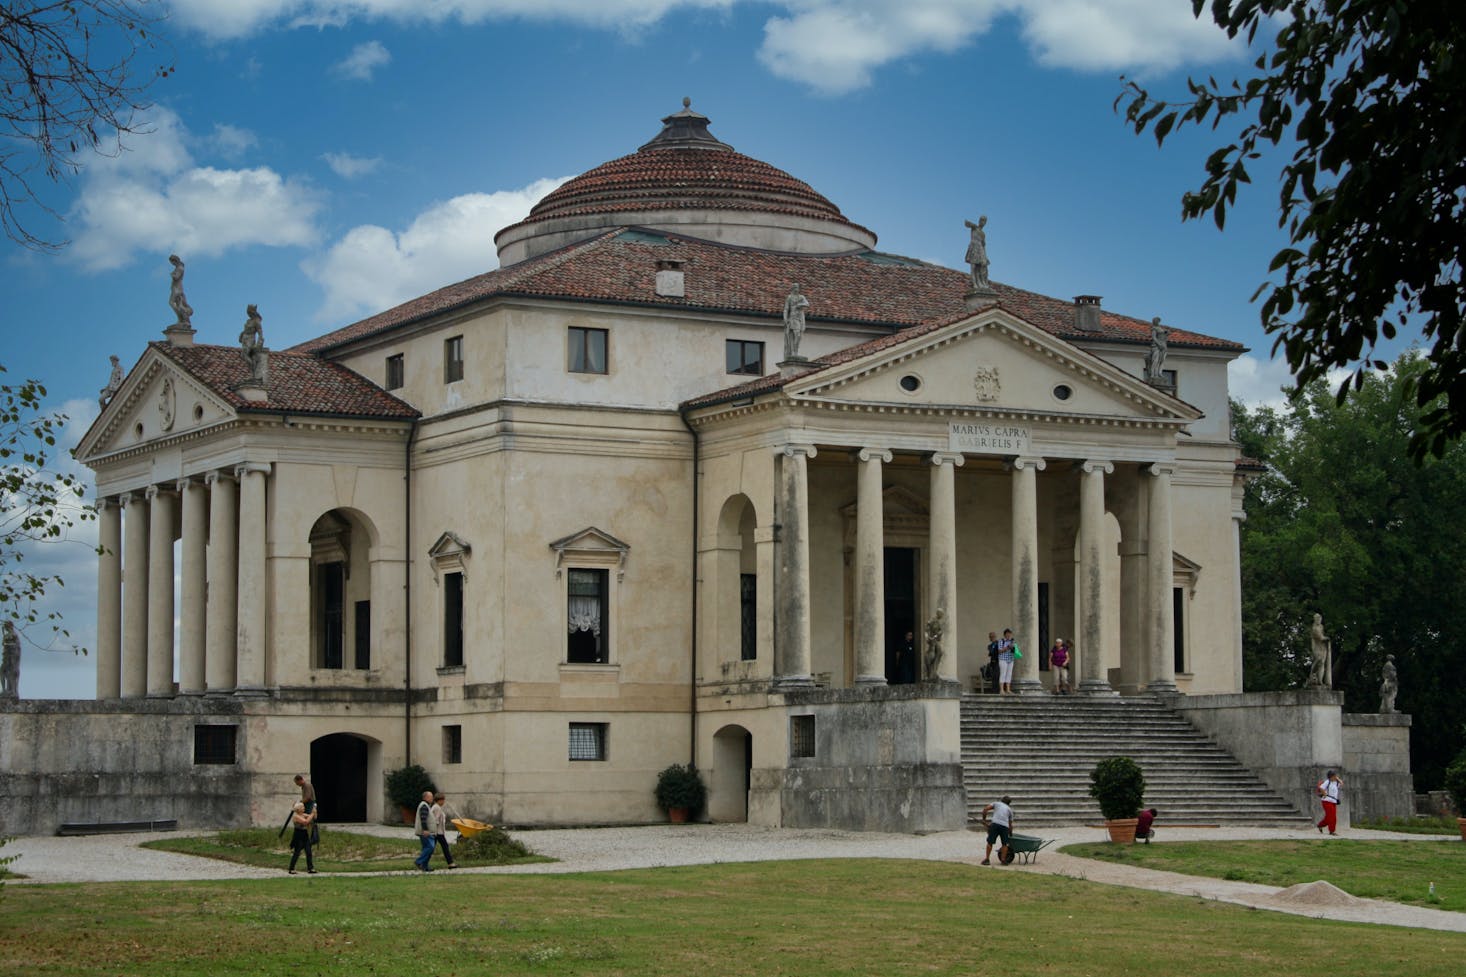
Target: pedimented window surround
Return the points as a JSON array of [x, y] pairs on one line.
[[591, 549]]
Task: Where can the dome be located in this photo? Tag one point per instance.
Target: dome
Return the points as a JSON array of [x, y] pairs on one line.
[[686, 181]]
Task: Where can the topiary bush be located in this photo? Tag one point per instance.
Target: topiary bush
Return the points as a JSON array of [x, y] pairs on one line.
[[1119, 785], [680, 786], [405, 785]]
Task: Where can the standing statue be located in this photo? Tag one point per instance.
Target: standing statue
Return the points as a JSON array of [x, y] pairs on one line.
[[1155, 358], [10, 664], [977, 255], [935, 628], [794, 307], [252, 343], [176, 300], [114, 383], [1389, 685], [1321, 672]]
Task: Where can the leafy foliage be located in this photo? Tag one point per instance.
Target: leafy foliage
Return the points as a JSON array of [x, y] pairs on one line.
[[1367, 95], [1343, 523], [680, 786], [1118, 784], [405, 785], [5, 860], [68, 83], [492, 847], [36, 503], [1455, 782]]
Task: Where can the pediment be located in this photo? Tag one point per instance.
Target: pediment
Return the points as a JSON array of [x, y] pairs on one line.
[[993, 361], [896, 502], [591, 547], [157, 401], [449, 546]]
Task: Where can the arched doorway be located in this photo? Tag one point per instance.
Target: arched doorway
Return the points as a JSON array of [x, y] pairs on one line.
[[339, 774], [728, 781]]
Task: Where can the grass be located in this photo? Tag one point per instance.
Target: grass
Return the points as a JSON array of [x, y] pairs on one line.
[[795, 919], [339, 851], [1416, 825], [1399, 871]]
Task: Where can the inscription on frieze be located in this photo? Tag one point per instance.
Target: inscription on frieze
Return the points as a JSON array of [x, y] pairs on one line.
[[982, 438]]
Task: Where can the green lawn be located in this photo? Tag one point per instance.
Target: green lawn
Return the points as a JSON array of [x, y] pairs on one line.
[[1400, 871], [339, 851], [798, 919]]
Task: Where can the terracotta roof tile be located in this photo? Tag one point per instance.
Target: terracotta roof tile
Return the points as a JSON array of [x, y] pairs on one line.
[[298, 383]]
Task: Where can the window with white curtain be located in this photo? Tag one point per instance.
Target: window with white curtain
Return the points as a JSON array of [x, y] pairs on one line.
[[586, 617]]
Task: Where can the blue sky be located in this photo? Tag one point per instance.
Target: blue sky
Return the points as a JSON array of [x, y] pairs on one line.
[[327, 160]]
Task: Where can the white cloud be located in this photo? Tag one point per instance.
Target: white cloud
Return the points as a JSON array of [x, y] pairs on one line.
[[155, 198], [1258, 383], [350, 167], [232, 142], [1113, 35], [373, 268], [363, 60]]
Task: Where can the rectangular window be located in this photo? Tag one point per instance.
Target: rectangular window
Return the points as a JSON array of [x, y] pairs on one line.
[[363, 634], [332, 629], [452, 620], [214, 744], [452, 744], [1178, 623], [586, 616], [745, 356], [587, 350], [394, 372], [588, 741], [453, 359], [801, 736], [1170, 377], [748, 615]]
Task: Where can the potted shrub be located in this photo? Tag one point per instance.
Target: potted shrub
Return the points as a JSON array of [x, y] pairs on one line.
[[1456, 786], [680, 792], [1119, 786], [405, 787]]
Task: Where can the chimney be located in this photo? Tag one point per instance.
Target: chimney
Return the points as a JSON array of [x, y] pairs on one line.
[[670, 279], [1087, 313]]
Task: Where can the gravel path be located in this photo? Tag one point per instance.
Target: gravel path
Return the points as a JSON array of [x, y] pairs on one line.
[[117, 858]]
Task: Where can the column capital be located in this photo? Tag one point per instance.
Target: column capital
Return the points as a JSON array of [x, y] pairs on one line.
[[1020, 462], [190, 481], [1159, 468], [1090, 465], [955, 458], [153, 491], [107, 502], [128, 498], [217, 475], [251, 468], [793, 450], [874, 454]]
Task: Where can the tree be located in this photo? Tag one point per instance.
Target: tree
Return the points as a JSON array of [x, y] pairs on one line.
[[1344, 523], [1367, 95], [36, 503], [69, 82]]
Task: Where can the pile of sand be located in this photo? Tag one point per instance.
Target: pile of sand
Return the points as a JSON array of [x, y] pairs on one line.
[[1318, 893]]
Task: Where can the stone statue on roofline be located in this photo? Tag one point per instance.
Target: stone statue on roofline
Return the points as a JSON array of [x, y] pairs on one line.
[[1389, 686], [252, 345], [794, 308], [10, 663], [114, 383], [1321, 671], [977, 255], [176, 300], [1155, 357]]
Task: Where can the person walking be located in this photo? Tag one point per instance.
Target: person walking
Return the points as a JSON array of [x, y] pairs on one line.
[[440, 828], [1059, 665], [307, 793], [426, 835], [999, 818], [300, 838], [1330, 791], [1006, 653], [992, 669]]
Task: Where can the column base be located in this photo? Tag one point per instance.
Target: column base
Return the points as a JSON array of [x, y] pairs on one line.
[[1096, 687], [870, 680], [219, 693], [251, 693], [1028, 686], [1162, 687], [789, 683], [162, 695]]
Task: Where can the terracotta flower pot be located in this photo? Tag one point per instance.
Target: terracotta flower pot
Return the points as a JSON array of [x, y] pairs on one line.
[[677, 815], [1122, 831], [1461, 823], [409, 814]]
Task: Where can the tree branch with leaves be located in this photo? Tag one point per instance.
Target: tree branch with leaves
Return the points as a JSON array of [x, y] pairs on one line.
[[1367, 95], [71, 82]]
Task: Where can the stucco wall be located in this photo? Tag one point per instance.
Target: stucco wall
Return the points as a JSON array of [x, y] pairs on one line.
[[1377, 757]]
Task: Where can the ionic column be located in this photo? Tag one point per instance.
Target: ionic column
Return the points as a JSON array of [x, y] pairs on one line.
[[134, 595], [942, 557], [250, 663], [109, 599], [1025, 573], [870, 570], [792, 631], [221, 614], [161, 505], [192, 589], [1095, 613], [1161, 573]]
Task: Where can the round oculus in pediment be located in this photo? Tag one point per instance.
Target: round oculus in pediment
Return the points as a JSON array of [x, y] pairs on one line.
[[137, 430], [1063, 392], [198, 412], [910, 383]]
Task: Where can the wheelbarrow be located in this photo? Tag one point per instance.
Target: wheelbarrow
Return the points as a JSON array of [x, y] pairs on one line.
[[1027, 847], [468, 827]]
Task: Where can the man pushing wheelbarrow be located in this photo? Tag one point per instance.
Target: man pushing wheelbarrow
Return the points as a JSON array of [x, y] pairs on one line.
[[998, 816]]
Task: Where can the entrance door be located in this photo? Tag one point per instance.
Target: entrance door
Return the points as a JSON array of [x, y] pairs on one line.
[[339, 774], [901, 616]]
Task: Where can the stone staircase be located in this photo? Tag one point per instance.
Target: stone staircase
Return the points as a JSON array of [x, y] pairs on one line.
[[1040, 749]]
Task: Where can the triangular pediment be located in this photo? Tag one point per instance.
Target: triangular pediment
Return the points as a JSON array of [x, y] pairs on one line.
[[896, 501], [996, 361], [449, 545], [158, 401]]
